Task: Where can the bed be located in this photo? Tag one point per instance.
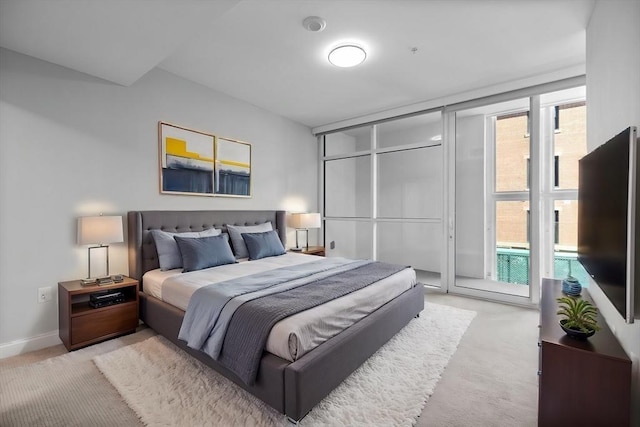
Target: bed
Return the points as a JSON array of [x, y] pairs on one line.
[[290, 387]]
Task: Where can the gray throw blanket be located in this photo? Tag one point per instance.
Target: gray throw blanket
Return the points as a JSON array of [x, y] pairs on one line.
[[211, 307], [251, 323], [213, 345]]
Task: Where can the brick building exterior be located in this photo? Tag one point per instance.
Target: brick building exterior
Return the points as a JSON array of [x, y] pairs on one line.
[[512, 171]]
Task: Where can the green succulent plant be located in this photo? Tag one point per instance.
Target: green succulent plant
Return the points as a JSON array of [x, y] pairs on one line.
[[579, 314]]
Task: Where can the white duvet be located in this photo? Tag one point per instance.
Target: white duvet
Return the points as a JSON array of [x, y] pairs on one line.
[[296, 335]]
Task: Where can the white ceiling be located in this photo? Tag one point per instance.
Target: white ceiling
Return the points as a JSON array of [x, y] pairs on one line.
[[258, 50]]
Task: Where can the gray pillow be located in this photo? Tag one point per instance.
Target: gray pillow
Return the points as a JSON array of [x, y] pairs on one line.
[[168, 253], [235, 232], [204, 252], [262, 245]]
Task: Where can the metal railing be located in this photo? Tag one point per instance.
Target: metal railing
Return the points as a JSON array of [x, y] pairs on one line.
[[513, 266]]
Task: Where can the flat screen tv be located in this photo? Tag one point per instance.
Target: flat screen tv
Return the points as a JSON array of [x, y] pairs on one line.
[[608, 220]]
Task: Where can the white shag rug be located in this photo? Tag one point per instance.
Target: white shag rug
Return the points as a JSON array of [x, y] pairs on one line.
[[166, 386]]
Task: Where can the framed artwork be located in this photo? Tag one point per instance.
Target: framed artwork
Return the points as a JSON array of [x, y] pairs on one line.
[[232, 168], [186, 160]]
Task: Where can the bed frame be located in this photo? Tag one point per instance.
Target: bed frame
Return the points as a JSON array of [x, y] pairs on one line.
[[292, 388]]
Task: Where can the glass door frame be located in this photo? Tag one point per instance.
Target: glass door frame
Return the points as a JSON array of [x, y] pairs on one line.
[[373, 219], [539, 203], [491, 197], [550, 194]]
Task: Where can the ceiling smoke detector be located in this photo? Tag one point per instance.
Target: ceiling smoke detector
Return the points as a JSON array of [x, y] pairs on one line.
[[314, 24]]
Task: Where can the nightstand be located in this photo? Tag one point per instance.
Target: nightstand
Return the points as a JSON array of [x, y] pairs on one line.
[[81, 325], [312, 250]]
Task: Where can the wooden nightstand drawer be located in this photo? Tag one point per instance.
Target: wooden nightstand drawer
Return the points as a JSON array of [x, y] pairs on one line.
[[104, 322]]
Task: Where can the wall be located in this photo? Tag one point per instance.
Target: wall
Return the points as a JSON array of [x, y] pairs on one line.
[[73, 145], [613, 103]]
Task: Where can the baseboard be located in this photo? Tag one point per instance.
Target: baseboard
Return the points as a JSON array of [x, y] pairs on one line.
[[25, 345]]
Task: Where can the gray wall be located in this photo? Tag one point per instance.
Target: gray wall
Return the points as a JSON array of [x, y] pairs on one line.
[[613, 104], [74, 145]]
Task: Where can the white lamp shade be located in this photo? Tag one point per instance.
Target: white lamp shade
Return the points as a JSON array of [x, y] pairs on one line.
[[97, 230], [305, 220]]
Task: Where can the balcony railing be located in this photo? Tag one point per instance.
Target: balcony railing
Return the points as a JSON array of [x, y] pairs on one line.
[[513, 266]]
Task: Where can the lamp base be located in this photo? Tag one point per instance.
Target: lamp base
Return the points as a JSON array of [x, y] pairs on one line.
[[296, 249], [107, 280], [88, 282]]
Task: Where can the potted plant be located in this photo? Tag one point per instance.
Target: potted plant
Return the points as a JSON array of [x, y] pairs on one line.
[[580, 317]]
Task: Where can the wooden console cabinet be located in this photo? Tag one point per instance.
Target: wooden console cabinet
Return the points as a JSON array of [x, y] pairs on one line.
[[582, 383], [81, 325]]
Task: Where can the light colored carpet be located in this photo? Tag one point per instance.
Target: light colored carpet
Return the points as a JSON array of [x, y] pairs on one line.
[[475, 389], [492, 379], [66, 390], [165, 386]]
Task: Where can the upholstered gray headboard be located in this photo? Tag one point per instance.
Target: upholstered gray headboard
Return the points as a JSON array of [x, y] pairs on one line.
[[142, 250]]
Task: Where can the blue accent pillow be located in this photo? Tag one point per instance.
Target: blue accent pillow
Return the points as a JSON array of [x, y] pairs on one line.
[[262, 245], [203, 252], [168, 252], [235, 232]]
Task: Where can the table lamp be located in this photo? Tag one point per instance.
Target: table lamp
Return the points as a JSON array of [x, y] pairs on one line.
[[99, 230], [304, 221]]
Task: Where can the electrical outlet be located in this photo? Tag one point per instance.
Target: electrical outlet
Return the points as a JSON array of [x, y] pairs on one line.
[[332, 245], [44, 294]]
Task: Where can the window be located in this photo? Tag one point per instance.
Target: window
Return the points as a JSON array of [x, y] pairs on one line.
[[513, 222], [567, 135], [569, 145], [556, 172], [556, 226], [511, 153], [510, 231]]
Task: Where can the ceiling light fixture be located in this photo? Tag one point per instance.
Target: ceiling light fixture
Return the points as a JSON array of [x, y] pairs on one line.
[[347, 55]]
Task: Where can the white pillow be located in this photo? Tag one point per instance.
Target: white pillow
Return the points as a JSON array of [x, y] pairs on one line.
[[235, 232]]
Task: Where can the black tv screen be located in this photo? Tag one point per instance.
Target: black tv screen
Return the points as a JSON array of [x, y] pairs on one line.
[[607, 218]]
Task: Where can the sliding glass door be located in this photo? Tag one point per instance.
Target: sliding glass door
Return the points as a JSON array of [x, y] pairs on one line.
[[409, 195], [516, 165], [492, 199], [347, 197], [479, 198], [383, 194]]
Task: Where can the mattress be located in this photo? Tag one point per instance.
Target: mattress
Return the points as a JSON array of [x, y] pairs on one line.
[[296, 335]]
